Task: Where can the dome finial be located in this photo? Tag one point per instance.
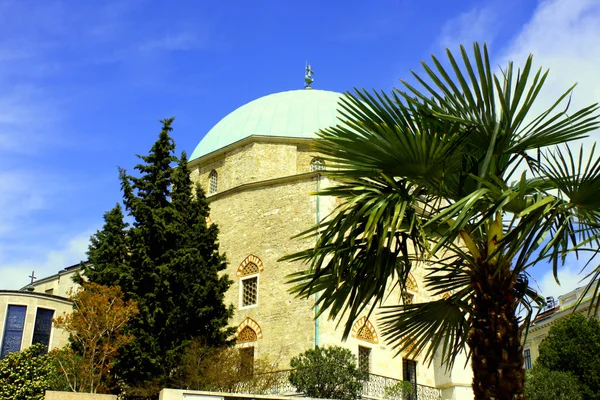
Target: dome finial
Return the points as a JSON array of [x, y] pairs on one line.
[[308, 79]]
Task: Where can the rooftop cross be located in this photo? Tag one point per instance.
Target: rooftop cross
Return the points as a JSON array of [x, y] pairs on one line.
[[308, 79], [32, 276]]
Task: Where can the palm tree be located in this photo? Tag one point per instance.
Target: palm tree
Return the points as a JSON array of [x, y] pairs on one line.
[[455, 174]]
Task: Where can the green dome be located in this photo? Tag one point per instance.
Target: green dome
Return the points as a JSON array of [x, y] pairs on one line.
[[296, 114]]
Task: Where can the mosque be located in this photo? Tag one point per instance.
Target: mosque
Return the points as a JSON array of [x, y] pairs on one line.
[[259, 172]]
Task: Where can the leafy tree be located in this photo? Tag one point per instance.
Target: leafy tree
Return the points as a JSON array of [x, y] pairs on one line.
[[428, 175], [168, 261], [327, 373], [27, 374], [96, 332], [543, 384], [573, 345], [399, 391]]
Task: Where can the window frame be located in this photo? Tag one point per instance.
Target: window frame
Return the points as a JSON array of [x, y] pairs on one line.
[[241, 291], [213, 174], [3, 336], [245, 351], [527, 364], [51, 335], [369, 349]]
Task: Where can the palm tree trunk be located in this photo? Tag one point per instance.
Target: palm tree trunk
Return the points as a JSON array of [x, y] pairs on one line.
[[497, 353]]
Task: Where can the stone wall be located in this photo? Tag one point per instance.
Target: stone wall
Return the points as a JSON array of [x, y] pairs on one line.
[[52, 395], [259, 221]]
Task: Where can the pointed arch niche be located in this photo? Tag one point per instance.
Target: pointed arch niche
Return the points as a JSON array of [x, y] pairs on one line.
[[251, 265], [248, 331], [364, 330]]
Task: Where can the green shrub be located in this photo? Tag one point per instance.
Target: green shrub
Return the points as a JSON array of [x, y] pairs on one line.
[[327, 373], [399, 391], [573, 345], [543, 384], [25, 375]]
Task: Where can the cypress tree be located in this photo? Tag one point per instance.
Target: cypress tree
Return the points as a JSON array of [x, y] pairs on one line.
[[171, 265], [108, 252]]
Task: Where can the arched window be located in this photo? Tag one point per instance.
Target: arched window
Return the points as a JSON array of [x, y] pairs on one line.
[[248, 272], [365, 331], [247, 333], [317, 164], [408, 295], [213, 181]]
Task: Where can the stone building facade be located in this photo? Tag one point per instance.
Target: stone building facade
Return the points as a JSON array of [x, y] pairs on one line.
[[259, 174]]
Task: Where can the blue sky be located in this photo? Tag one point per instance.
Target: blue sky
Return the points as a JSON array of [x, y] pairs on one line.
[[82, 85]]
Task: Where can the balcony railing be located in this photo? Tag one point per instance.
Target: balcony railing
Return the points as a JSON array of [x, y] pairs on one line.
[[278, 383]]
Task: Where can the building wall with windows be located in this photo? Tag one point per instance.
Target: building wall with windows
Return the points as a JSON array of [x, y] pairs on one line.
[[26, 318], [260, 188]]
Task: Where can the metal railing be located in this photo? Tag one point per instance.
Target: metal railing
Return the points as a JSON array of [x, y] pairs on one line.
[[278, 383]]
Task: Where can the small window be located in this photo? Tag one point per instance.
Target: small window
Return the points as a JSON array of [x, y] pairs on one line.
[[249, 291], [42, 327], [527, 359], [213, 181], [317, 164], [364, 359], [49, 291], [13, 330], [247, 362]]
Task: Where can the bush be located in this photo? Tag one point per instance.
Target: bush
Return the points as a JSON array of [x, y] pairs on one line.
[[543, 384], [573, 345], [327, 373], [27, 374], [400, 391], [223, 369]]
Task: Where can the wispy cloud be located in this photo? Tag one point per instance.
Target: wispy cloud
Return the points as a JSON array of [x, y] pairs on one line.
[[180, 41], [570, 278], [478, 24], [563, 36], [14, 275]]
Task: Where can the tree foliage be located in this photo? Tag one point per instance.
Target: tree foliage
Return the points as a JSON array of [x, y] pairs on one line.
[[573, 345], [430, 174], [398, 391], [96, 333], [167, 260], [27, 374], [327, 373], [543, 384]]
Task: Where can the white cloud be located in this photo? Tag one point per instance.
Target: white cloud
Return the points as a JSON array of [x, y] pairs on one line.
[[476, 25], [564, 36], [14, 276], [570, 278]]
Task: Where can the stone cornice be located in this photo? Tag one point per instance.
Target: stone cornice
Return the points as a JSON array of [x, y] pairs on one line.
[[44, 296], [206, 159], [268, 182]]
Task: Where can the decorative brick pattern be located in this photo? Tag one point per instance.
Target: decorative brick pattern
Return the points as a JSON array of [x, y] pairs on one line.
[[411, 283], [250, 265], [242, 331], [364, 330], [247, 335]]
